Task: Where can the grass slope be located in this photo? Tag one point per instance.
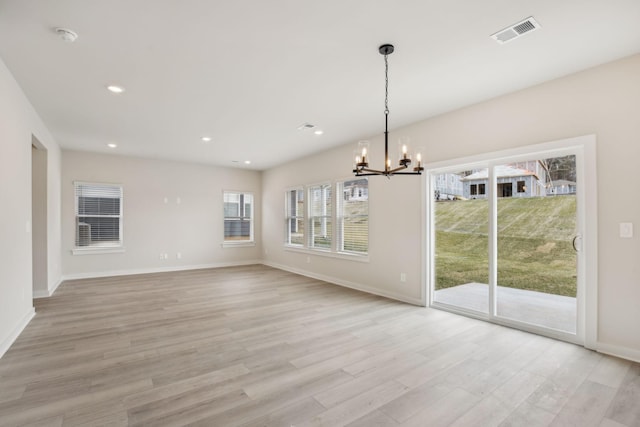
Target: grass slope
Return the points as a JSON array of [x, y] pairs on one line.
[[534, 243]]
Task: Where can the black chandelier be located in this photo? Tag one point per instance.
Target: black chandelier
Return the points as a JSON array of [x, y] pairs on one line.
[[361, 160]]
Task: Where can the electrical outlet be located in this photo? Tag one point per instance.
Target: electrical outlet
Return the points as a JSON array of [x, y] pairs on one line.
[[179, 255], [626, 230], [403, 277], [161, 255], [308, 260]]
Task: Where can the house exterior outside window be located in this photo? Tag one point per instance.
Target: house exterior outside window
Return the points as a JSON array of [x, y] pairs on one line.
[[238, 218]]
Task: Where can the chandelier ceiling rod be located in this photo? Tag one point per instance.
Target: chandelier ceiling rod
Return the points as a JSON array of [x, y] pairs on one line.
[[362, 165]]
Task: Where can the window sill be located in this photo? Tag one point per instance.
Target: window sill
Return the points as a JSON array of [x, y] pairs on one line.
[[97, 250], [328, 254], [237, 244]]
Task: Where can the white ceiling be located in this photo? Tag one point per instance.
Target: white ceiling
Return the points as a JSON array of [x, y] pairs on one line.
[[249, 72]]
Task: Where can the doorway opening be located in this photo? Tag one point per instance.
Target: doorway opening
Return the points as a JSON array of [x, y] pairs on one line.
[[39, 262], [515, 253]]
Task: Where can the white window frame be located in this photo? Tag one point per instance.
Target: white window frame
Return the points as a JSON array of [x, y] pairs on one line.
[[97, 248], [325, 217], [335, 250], [340, 218], [241, 216], [288, 216]]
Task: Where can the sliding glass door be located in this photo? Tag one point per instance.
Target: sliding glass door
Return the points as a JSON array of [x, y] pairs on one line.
[[461, 260], [536, 227], [504, 241]]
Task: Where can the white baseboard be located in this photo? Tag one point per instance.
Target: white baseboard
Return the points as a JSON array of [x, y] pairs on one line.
[[42, 294], [346, 284], [48, 293], [622, 352], [97, 274], [17, 330]]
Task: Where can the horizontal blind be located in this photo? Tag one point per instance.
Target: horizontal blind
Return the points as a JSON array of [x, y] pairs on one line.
[[294, 215], [320, 216], [353, 212], [98, 212]]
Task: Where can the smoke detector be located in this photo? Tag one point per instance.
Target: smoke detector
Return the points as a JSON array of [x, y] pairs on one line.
[[516, 30], [66, 34]]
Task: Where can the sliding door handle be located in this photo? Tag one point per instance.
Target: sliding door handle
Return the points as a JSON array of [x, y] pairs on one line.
[[573, 242]]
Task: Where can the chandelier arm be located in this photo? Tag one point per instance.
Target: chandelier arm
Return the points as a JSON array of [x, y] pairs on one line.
[[374, 171], [381, 173], [399, 168]]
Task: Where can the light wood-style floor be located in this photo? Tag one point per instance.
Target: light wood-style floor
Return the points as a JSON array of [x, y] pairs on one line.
[[256, 346]]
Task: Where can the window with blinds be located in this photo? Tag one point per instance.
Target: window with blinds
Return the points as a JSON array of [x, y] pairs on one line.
[[98, 211], [238, 217], [294, 214], [336, 217], [353, 216], [320, 216]]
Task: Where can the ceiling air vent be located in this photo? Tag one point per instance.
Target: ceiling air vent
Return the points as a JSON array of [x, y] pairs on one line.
[[516, 30]]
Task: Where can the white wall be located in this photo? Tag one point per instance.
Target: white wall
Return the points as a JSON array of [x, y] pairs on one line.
[[19, 124], [193, 227], [604, 101]]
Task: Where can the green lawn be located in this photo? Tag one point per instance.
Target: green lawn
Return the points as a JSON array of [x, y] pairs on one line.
[[534, 243]]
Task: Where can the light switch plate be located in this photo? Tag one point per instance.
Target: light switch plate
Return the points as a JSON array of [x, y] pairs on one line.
[[626, 229]]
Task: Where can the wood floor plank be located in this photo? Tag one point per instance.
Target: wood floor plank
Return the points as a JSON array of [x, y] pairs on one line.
[[358, 406], [587, 406], [256, 346], [625, 407]]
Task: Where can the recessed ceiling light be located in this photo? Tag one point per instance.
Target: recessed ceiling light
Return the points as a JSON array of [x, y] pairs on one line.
[[112, 145], [318, 131], [67, 34], [306, 126], [247, 162], [115, 89], [206, 138]]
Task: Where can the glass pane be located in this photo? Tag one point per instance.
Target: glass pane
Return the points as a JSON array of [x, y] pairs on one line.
[[355, 234], [231, 210], [536, 226], [354, 213], [296, 231], [98, 206], [461, 240], [295, 217], [237, 229], [93, 230], [321, 232]]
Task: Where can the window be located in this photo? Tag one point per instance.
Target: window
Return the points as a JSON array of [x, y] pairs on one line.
[[474, 189], [481, 189], [98, 211], [238, 217], [320, 216], [353, 216], [521, 187], [336, 219], [294, 205]]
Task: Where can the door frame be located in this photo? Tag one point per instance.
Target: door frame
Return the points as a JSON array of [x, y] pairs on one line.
[[584, 148]]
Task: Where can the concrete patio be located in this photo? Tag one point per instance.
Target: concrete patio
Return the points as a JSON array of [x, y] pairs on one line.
[[551, 311]]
